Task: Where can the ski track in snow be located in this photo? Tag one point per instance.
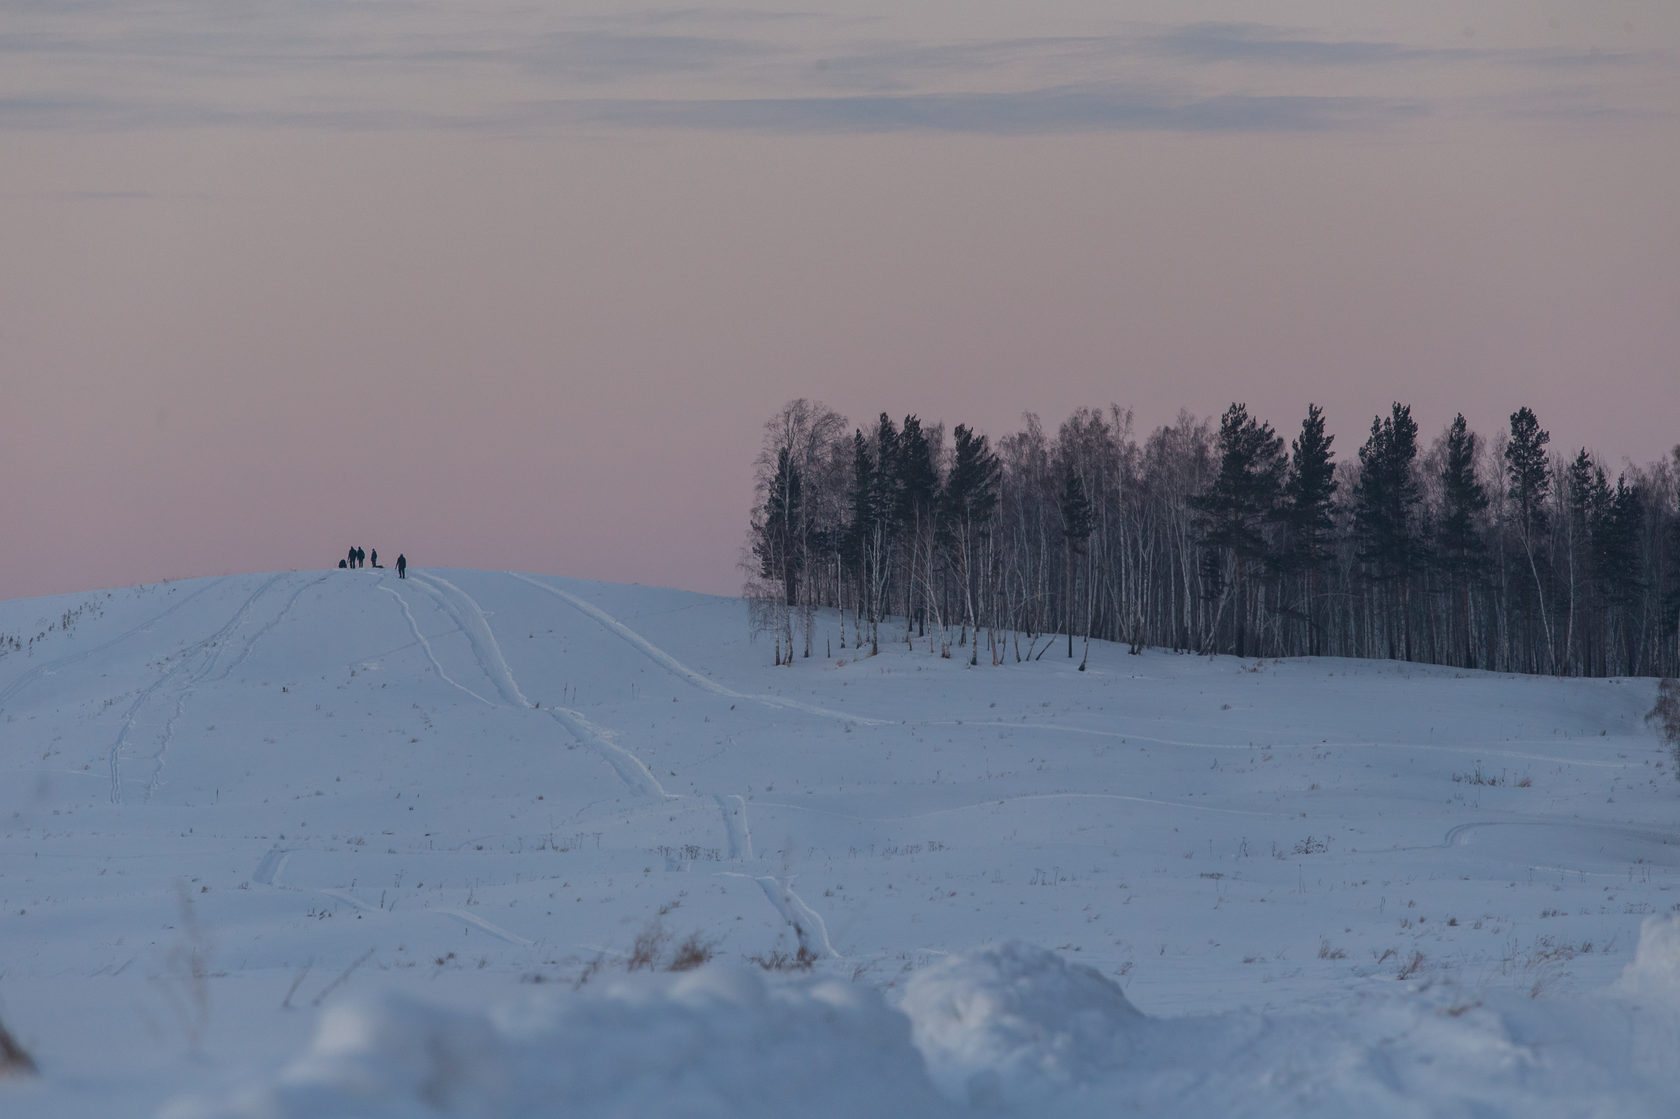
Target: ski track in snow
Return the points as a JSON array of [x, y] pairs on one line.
[[999, 802], [482, 925], [475, 623], [275, 860], [681, 671], [183, 660], [1124, 736], [344, 895], [51, 668], [1456, 837], [268, 626]]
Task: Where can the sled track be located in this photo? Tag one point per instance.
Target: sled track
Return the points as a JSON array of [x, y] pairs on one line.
[[476, 626], [630, 769], [427, 647], [734, 809], [807, 924], [473, 621], [681, 671], [271, 866]]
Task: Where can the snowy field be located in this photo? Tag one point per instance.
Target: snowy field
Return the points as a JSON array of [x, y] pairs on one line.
[[334, 844]]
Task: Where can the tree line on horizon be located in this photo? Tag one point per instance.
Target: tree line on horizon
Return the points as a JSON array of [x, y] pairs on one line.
[[1216, 537]]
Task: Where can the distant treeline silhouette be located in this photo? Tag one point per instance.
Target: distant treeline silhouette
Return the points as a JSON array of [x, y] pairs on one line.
[[1217, 538]]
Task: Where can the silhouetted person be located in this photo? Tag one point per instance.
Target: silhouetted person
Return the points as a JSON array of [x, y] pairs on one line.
[[361, 557], [350, 558], [342, 565], [402, 566], [374, 557]]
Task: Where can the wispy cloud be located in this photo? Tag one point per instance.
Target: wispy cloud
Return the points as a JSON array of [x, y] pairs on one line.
[[111, 114], [1247, 42], [1053, 110], [1045, 111], [106, 195], [358, 65], [602, 56], [886, 66], [1271, 46], [692, 16]]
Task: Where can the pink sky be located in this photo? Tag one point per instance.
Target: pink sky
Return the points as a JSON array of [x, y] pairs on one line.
[[504, 289]]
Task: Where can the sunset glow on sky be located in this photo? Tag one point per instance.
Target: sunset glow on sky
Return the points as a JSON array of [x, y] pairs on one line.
[[512, 286]]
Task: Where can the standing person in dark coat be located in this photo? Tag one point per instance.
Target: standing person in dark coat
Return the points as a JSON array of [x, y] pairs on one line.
[[361, 557], [350, 558], [402, 566], [374, 555]]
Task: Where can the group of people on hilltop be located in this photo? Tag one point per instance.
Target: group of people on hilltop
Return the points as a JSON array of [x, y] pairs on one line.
[[358, 558]]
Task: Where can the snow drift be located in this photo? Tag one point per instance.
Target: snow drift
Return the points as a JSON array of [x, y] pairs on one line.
[[1005, 1030], [716, 1043], [331, 843]]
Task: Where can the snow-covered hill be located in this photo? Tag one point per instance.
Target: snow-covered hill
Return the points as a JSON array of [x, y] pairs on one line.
[[335, 844]]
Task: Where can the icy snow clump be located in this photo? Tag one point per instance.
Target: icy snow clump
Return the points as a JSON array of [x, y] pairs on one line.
[[1014, 1023], [716, 1042], [1655, 969]]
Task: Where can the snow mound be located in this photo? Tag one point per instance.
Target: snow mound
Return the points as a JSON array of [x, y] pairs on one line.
[[1655, 969], [718, 1041], [1013, 1023]]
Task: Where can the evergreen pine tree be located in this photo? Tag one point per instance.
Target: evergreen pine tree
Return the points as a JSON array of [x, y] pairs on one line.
[[1241, 503], [1386, 498], [1525, 465], [1459, 547], [1529, 483], [1616, 562], [1307, 513]]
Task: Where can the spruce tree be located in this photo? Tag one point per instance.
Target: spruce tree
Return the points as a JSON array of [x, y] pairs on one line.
[[1241, 503], [1307, 513], [1525, 466], [1386, 499], [1616, 561], [1529, 484], [1460, 549]]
